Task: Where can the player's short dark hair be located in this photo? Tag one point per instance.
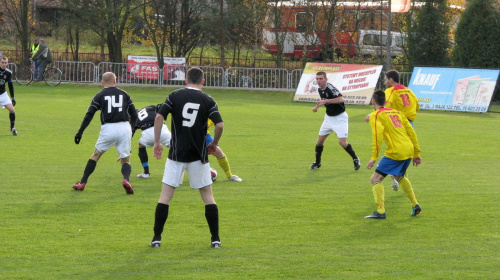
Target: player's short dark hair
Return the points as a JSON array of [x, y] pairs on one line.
[[4, 58], [393, 74], [321, 73], [195, 76], [379, 97]]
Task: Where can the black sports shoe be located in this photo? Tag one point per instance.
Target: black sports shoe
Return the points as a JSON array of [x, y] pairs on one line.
[[315, 165], [357, 163], [215, 244], [416, 210], [14, 131], [376, 215], [156, 242]]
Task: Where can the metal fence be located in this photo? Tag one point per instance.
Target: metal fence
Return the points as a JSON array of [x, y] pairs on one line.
[[232, 77]]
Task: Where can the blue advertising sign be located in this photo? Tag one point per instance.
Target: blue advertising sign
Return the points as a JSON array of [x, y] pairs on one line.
[[453, 89]]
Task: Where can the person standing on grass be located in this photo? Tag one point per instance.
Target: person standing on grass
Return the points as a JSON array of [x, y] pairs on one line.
[[221, 157], [336, 120], [6, 78], [402, 99], [190, 108], [44, 57], [118, 116], [393, 127], [146, 122]]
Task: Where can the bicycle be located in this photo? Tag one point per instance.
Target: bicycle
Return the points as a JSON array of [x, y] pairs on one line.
[[24, 75]]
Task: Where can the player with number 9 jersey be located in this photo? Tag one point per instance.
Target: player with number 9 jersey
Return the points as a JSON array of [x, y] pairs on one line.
[[190, 109]]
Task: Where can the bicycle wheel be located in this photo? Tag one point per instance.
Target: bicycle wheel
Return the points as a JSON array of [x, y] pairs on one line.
[[52, 76], [24, 75]]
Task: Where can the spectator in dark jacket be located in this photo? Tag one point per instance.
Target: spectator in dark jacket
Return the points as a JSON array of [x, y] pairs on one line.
[[43, 57]]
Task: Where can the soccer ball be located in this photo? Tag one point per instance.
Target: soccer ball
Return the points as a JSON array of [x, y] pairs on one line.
[[213, 173]]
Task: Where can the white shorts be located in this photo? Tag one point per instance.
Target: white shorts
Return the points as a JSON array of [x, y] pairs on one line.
[[338, 124], [115, 134], [5, 99], [148, 137], [199, 173]]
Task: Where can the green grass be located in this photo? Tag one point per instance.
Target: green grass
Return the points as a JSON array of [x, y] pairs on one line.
[[282, 222]]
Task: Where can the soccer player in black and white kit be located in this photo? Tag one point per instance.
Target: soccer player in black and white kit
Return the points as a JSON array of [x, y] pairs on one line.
[[6, 78], [146, 122], [118, 116], [190, 109], [336, 120]]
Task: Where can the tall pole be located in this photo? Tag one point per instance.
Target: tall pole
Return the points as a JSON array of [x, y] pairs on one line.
[[389, 39]]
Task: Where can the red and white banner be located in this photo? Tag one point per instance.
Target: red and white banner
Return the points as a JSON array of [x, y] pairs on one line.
[[356, 82], [146, 67]]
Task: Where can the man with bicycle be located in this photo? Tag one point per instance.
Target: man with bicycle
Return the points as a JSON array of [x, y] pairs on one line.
[[44, 57], [33, 51], [6, 78]]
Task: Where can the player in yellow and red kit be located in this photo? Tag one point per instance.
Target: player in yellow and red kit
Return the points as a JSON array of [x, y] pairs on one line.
[[221, 157], [393, 127], [400, 98]]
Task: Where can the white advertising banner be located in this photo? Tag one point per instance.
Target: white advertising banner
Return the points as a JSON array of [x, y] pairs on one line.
[[356, 82]]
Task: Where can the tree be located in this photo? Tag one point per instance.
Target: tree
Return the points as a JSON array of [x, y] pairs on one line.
[[428, 38], [478, 36], [154, 14], [186, 27], [107, 18], [19, 12]]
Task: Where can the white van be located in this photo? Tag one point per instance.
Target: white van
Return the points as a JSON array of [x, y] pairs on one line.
[[374, 43]]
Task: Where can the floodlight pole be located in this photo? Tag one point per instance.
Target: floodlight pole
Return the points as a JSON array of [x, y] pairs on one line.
[[389, 39]]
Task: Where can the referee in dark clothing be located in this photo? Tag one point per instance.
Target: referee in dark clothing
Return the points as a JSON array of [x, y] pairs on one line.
[[190, 109]]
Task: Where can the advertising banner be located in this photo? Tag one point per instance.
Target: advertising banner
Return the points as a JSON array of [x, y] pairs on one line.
[[453, 89], [355, 82], [146, 67]]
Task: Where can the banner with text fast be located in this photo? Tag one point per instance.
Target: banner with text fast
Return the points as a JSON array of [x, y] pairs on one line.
[[355, 82], [146, 67], [454, 89]]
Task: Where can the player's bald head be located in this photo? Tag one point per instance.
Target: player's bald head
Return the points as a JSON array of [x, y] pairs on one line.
[[108, 79]]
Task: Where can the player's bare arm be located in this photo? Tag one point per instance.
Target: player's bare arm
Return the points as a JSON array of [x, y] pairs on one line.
[[158, 148], [370, 164], [218, 129]]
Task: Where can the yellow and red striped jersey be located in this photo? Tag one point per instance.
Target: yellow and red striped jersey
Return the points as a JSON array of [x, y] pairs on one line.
[[402, 99], [393, 127]]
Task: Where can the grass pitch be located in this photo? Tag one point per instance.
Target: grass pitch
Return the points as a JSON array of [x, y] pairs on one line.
[[283, 221]]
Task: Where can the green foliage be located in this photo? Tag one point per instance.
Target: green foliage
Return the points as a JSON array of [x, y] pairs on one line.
[[428, 38], [478, 36], [282, 222]]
